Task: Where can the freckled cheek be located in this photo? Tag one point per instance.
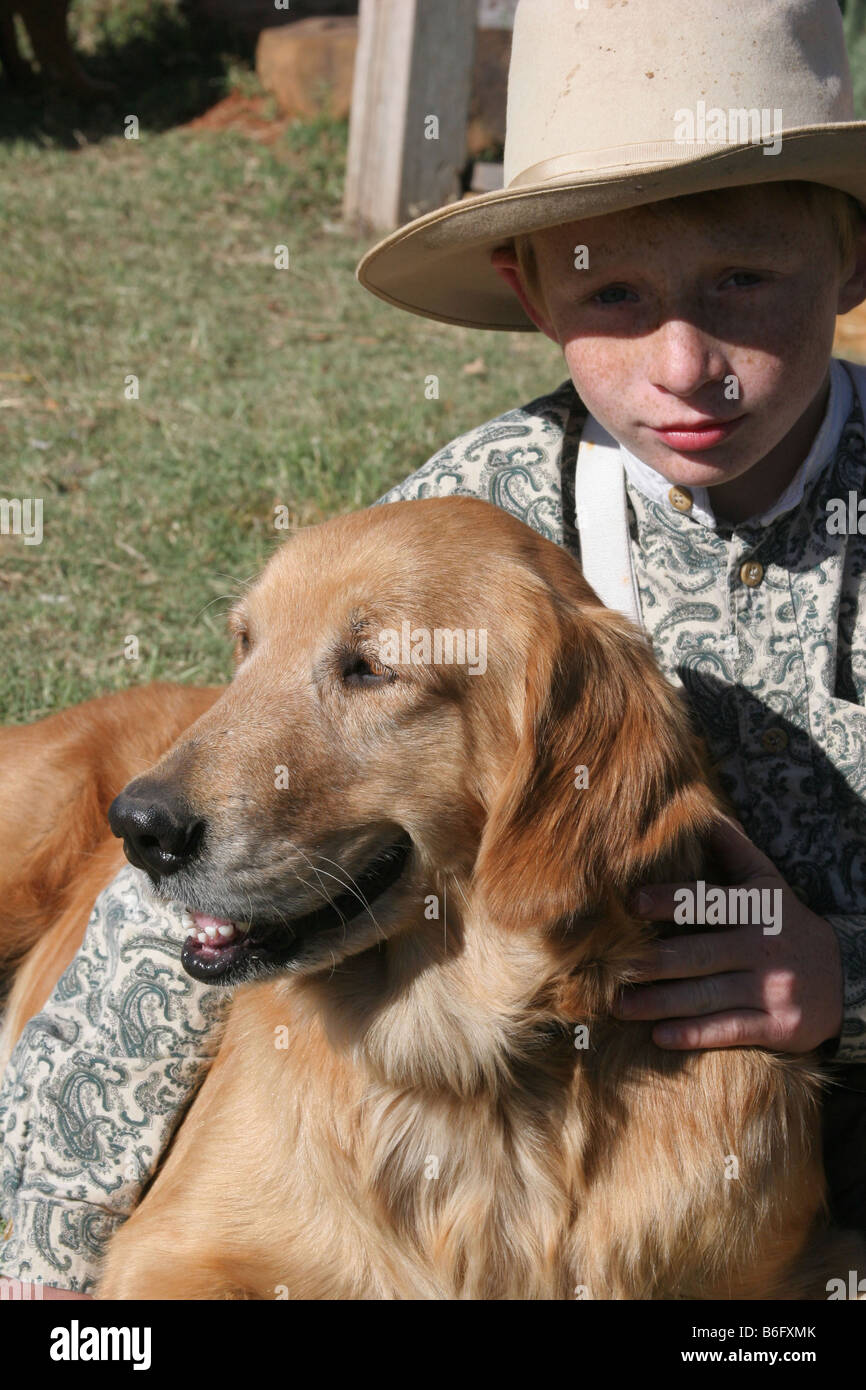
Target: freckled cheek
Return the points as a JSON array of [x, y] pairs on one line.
[[792, 331], [787, 351], [604, 369]]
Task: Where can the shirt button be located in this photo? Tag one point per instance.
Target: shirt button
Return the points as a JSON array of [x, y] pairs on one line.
[[752, 573], [774, 740], [681, 498]]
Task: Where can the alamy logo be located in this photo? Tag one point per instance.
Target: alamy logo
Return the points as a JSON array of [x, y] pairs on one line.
[[438, 646], [22, 516], [846, 516], [76, 1343], [729, 907], [839, 1289], [16, 1291], [737, 126]]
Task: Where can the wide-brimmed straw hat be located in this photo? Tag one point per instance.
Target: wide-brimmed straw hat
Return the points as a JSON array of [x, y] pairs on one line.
[[617, 103]]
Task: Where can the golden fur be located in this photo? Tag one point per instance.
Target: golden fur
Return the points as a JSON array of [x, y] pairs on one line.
[[427, 1127]]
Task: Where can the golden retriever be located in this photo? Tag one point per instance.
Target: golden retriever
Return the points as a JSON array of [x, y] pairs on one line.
[[430, 903]]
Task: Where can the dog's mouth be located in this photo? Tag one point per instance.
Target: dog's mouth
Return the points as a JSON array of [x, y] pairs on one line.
[[222, 951]]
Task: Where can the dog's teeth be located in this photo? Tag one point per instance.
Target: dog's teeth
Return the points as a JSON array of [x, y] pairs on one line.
[[212, 933], [187, 921]]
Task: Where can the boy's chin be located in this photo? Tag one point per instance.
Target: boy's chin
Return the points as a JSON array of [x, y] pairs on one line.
[[686, 472], [696, 468]]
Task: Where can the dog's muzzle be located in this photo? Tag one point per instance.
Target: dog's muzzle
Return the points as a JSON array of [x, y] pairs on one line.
[[221, 951]]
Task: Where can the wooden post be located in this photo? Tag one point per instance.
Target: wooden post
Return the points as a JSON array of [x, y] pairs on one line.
[[410, 100]]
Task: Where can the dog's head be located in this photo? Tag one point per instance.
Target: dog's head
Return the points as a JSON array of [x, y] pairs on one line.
[[422, 689]]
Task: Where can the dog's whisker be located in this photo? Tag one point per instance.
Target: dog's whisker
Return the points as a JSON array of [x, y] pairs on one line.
[[460, 889], [241, 583], [322, 889], [352, 888], [350, 883], [218, 598]]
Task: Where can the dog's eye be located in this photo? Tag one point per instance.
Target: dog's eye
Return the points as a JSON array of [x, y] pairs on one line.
[[242, 643], [365, 670]]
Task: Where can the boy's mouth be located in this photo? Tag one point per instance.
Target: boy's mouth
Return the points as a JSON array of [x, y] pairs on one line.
[[703, 435]]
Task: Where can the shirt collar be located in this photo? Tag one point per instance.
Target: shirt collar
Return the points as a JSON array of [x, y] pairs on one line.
[[658, 489]]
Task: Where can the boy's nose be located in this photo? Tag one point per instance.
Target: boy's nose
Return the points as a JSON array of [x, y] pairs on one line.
[[685, 358]]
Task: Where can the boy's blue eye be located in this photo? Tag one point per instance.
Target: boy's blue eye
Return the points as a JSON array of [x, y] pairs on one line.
[[750, 275], [611, 289]]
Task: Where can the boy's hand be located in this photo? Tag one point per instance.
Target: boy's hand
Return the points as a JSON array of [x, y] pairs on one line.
[[736, 986]]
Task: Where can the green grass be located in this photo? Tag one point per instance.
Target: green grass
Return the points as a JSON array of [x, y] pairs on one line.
[[257, 386], [855, 39]]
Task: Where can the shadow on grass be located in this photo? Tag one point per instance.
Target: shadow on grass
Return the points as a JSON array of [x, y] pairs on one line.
[[167, 70]]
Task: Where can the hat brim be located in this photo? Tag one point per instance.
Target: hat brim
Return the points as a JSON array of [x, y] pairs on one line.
[[439, 265]]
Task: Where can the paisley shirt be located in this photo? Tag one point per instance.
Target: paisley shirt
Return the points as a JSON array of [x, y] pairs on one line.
[[774, 670], [97, 1084], [775, 673]]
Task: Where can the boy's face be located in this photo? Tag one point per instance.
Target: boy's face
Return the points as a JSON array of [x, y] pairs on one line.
[[685, 316]]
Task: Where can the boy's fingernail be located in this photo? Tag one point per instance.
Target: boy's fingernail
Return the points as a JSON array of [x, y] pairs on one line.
[[641, 902], [623, 1004]]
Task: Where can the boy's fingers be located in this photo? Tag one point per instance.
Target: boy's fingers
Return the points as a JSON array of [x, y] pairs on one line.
[[655, 901], [689, 999], [733, 848], [739, 1028], [735, 853], [658, 902], [683, 957]]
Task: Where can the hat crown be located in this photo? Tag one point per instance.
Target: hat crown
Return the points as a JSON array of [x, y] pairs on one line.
[[588, 76]]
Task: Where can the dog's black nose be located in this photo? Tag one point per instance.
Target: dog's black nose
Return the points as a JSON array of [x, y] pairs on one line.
[[159, 832]]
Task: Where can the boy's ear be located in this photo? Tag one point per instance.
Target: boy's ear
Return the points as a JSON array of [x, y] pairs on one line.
[[853, 290], [608, 788], [505, 263]]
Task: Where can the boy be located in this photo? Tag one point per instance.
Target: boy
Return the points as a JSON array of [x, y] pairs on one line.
[[721, 407], [697, 325]]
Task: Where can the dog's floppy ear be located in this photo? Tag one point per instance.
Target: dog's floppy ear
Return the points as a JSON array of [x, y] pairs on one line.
[[608, 786]]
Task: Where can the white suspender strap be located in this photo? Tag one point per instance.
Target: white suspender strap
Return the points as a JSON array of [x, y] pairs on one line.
[[602, 520]]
